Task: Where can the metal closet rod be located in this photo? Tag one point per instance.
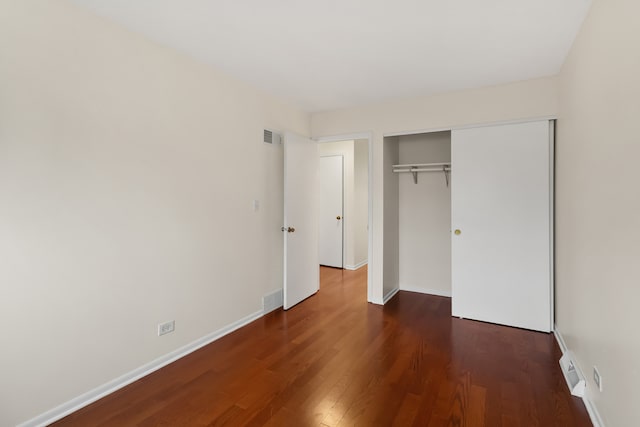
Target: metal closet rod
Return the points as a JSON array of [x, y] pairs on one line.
[[424, 167], [416, 165], [423, 170]]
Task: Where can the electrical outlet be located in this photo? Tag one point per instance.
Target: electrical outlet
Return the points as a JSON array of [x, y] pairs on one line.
[[166, 327], [597, 378]]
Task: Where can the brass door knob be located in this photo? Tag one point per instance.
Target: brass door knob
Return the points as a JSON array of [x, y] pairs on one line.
[[458, 232], [291, 229], [338, 217]]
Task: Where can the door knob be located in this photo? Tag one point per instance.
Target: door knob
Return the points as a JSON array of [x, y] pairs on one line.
[[458, 232], [288, 229], [338, 217]]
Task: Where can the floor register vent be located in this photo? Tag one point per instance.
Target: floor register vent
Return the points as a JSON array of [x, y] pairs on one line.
[[573, 376]]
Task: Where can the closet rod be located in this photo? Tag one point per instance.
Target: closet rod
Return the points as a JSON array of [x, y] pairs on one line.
[[424, 167], [416, 165], [421, 170]]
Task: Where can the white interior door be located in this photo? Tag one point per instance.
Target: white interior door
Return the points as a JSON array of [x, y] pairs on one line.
[[330, 219], [301, 269], [501, 206]]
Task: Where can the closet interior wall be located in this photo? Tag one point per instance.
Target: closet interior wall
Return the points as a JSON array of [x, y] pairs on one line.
[[424, 216], [391, 156]]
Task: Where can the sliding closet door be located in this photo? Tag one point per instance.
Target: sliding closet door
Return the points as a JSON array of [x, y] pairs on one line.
[[501, 222]]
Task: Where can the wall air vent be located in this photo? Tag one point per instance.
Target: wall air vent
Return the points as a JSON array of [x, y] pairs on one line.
[[270, 137]]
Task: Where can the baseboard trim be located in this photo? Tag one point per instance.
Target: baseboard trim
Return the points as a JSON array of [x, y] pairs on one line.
[[390, 295], [418, 289], [592, 410], [357, 266], [559, 339], [272, 301], [97, 393]]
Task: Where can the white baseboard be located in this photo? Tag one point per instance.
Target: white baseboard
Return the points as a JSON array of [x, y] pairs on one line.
[[376, 301], [560, 340], [592, 410], [91, 396], [272, 301], [390, 295], [357, 266], [428, 291]]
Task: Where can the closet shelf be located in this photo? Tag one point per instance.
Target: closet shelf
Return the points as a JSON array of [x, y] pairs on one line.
[[424, 167]]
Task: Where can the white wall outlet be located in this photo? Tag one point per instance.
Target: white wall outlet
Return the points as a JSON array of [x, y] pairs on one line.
[[255, 205], [597, 378], [166, 327]]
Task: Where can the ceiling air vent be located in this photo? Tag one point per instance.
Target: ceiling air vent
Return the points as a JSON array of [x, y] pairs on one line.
[[270, 137]]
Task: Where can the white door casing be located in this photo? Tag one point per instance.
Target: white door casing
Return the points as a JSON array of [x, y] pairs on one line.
[[331, 217], [301, 269], [501, 204]]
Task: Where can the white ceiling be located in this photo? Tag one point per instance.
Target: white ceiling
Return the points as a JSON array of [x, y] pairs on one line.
[[328, 54]]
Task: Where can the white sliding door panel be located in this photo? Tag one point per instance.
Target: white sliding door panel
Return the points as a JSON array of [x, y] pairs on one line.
[[301, 269], [331, 212], [500, 198]]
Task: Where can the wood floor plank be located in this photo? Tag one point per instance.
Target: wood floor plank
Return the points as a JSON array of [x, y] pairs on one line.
[[336, 360]]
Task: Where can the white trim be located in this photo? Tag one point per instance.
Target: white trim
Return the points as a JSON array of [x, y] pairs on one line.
[[273, 301], [592, 409], [370, 220], [594, 415], [346, 137], [376, 302], [417, 132], [552, 227], [99, 392], [412, 288], [390, 295], [560, 340], [357, 266], [472, 125]]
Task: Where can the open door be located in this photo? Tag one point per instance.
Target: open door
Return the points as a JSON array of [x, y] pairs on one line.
[[301, 268]]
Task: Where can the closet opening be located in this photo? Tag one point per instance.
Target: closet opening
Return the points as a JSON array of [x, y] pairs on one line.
[[417, 213], [493, 185]]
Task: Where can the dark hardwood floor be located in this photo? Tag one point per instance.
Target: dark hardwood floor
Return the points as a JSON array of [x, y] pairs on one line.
[[335, 360]]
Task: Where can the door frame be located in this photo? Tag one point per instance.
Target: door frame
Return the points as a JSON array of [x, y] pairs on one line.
[[369, 137], [344, 235]]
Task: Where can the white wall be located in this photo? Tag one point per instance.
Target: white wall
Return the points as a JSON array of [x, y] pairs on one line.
[[127, 173], [391, 219], [425, 216], [361, 201], [598, 205], [534, 98]]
